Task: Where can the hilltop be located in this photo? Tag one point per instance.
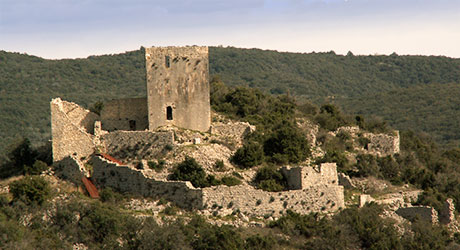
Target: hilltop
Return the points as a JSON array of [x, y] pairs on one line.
[[404, 90]]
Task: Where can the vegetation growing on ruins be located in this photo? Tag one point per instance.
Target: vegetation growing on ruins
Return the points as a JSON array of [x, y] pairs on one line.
[[278, 140]]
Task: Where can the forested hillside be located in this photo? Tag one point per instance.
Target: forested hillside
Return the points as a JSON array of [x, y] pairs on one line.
[[409, 92], [414, 92]]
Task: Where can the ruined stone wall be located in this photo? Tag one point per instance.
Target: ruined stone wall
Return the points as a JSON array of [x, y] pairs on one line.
[[256, 202], [71, 128], [125, 179], [125, 114], [178, 79], [128, 145], [304, 177], [383, 144], [423, 212]]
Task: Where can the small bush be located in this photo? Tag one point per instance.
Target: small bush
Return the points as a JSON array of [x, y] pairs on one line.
[[157, 166], [230, 181], [37, 168], [31, 190], [190, 170], [250, 155], [108, 195], [168, 147], [219, 165], [270, 179], [287, 144], [170, 210]]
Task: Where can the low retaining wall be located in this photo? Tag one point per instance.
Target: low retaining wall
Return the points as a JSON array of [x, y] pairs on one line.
[[257, 202], [125, 179], [242, 198]]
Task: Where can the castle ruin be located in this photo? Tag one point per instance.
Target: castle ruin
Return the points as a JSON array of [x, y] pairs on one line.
[[175, 114]]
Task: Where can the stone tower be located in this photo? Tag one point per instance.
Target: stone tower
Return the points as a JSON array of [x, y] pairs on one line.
[[178, 87]]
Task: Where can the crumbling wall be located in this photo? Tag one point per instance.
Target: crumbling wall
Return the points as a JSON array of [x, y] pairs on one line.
[[178, 87], [126, 145], [125, 114], [304, 177], [125, 179], [423, 212], [71, 129], [232, 131], [383, 144], [256, 202], [293, 177], [447, 213]]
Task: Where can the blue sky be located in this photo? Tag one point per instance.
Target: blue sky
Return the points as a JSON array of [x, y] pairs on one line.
[[79, 28]]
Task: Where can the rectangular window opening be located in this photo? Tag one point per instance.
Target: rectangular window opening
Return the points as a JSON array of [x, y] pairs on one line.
[[169, 114]]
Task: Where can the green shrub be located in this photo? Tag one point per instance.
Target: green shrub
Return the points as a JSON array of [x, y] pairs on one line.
[[287, 144], [157, 166], [219, 165], [108, 195], [337, 157], [31, 190], [250, 155], [270, 179], [230, 181], [261, 242], [190, 170], [170, 210], [37, 168]]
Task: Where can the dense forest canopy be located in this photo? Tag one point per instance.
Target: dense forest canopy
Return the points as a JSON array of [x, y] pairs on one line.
[[416, 92]]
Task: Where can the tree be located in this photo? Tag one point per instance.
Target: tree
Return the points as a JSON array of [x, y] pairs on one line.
[[31, 190]]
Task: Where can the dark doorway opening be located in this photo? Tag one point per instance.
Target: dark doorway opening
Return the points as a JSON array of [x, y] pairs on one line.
[[167, 62], [132, 125], [169, 115]]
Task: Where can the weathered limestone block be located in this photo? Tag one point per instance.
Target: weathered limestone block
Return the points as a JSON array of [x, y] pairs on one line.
[[255, 202], [423, 212], [136, 144], [125, 114], [125, 179], [71, 128], [178, 87]]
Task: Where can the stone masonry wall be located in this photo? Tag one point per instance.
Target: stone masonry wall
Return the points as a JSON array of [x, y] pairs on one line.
[[71, 128], [423, 212], [136, 144], [125, 179], [256, 202], [303, 177], [383, 144], [245, 198], [125, 114], [178, 81]]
